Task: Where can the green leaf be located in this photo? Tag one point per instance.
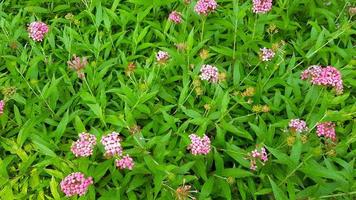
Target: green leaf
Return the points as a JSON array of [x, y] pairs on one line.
[[207, 188], [278, 193], [235, 172], [54, 188]]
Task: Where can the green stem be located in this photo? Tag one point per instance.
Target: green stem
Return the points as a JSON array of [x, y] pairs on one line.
[[86, 83], [315, 102], [202, 30], [294, 170]]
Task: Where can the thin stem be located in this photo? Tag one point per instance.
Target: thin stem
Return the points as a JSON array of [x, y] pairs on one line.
[[243, 116], [316, 101], [86, 83], [294, 170], [250, 73], [34, 92], [338, 195], [202, 30], [254, 27], [235, 30]]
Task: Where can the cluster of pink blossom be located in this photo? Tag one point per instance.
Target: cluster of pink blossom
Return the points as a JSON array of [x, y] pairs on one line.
[[126, 162], [204, 7], [199, 145], [2, 106], [298, 125], [175, 17], [78, 64], [209, 73], [256, 154], [37, 30], [326, 129], [112, 144], [325, 76], [75, 184], [266, 54], [261, 6], [84, 146], [162, 57]]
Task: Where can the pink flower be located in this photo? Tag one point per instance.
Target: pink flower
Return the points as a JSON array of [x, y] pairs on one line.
[[261, 6], [2, 106], [298, 125], [37, 30], [325, 76], [125, 163], [75, 183], [264, 157], [162, 57], [204, 7], [253, 165], [199, 145], [255, 153], [266, 54], [258, 154], [112, 144], [78, 64], [209, 73], [175, 17], [84, 146], [326, 129]]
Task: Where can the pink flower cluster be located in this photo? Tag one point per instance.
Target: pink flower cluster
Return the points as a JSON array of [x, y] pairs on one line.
[[84, 146], [326, 129], [266, 54], [204, 7], [298, 125], [2, 106], [255, 155], [325, 76], [162, 56], [199, 145], [112, 144], [175, 17], [209, 73], [37, 30], [78, 64], [261, 6], [75, 183], [125, 162]]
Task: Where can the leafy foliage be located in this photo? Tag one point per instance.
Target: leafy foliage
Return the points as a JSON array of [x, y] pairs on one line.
[[52, 105]]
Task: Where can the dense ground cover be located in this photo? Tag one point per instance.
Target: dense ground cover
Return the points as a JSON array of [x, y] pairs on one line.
[[237, 74]]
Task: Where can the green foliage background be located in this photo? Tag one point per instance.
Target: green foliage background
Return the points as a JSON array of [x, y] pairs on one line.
[[51, 105]]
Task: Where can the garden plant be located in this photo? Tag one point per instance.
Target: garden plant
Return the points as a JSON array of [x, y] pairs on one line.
[[177, 99]]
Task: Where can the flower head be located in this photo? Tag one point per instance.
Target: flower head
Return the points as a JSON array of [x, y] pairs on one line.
[[2, 106], [112, 144], [326, 76], [257, 154], [78, 64], [125, 162], [266, 54], [131, 66], [204, 7], [261, 6], [264, 157], [162, 57], [199, 145], [326, 129], [84, 146], [209, 73], [75, 183], [183, 192], [37, 30], [298, 125], [175, 17]]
